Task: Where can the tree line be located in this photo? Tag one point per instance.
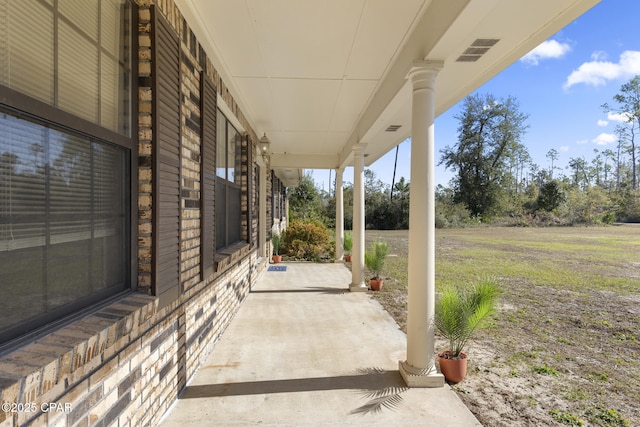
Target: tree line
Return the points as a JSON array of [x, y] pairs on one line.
[[496, 181]]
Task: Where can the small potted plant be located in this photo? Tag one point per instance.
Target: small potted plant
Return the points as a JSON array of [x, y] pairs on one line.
[[276, 241], [458, 313], [374, 260], [347, 245]]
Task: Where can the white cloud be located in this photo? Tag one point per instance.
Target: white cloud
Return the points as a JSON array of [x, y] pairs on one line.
[[599, 55], [599, 71], [547, 50], [582, 141], [564, 148], [603, 122], [605, 139], [619, 117]]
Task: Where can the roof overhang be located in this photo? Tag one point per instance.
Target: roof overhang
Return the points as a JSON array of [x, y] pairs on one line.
[[319, 77]]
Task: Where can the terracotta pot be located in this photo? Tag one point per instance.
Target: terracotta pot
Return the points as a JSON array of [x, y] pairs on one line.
[[276, 259], [375, 285], [454, 370], [347, 258]]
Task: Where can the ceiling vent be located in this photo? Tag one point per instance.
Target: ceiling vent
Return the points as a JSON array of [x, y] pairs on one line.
[[468, 58], [478, 48], [485, 42], [393, 128]]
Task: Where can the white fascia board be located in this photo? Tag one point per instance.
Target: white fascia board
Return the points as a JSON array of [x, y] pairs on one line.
[[304, 161]]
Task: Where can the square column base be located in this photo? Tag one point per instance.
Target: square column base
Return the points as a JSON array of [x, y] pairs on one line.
[[358, 287], [415, 377]]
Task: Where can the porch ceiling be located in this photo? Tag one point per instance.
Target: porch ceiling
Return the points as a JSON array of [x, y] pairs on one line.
[[320, 76]]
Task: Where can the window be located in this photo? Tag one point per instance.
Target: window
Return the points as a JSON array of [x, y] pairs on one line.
[[278, 197], [228, 183], [63, 222], [74, 55], [66, 158]]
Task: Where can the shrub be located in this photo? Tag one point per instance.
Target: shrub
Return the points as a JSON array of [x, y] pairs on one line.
[[451, 215], [550, 196], [307, 240], [629, 210]]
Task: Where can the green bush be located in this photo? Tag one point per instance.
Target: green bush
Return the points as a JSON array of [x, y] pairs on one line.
[[451, 215], [307, 240], [550, 196], [629, 209]]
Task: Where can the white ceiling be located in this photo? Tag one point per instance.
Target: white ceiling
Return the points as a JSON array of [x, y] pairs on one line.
[[318, 76]]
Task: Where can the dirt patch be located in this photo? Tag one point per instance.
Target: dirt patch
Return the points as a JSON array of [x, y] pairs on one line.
[[557, 353]]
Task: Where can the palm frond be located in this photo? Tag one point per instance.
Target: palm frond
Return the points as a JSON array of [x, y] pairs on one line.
[[384, 392], [459, 312], [375, 406]]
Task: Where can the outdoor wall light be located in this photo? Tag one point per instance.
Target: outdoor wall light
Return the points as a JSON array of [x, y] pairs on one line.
[[263, 145]]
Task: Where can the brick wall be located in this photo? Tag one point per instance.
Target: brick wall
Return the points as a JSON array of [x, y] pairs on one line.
[[125, 364], [145, 160], [191, 164]]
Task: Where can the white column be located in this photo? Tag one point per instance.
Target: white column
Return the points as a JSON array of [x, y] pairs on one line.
[[419, 369], [285, 216], [339, 216], [357, 259]]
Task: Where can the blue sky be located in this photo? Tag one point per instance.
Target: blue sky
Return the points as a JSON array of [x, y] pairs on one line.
[[560, 85]]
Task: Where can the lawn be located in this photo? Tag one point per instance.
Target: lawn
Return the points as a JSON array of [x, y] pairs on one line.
[[564, 348]]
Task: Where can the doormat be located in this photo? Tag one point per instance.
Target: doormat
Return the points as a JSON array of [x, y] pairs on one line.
[[277, 268]]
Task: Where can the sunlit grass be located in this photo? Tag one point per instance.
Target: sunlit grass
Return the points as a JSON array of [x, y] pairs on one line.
[[570, 298], [544, 257], [396, 271]]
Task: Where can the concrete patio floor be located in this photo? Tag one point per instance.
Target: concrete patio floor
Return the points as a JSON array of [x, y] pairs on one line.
[[303, 350]]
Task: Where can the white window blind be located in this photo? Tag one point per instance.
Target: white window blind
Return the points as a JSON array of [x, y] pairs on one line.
[[26, 37], [63, 219], [77, 58]]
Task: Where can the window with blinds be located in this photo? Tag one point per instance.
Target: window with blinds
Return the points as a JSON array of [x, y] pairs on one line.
[[228, 183], [66, 159], [63, 222], [74, 55]]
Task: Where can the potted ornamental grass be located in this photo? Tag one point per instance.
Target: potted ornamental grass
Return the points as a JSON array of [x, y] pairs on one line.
[[347, 244], [276, 242], [374, 260], [459, 311]]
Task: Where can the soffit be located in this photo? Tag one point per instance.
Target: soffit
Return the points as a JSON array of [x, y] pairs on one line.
[[320, 76]]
